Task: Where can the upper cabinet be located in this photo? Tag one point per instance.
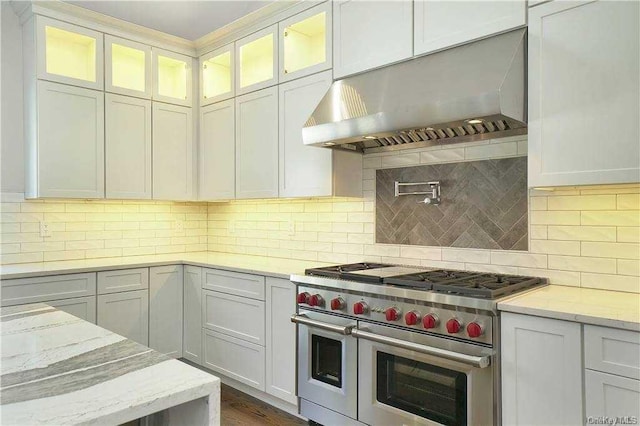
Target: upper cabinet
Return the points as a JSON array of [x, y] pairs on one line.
[[308, 171], [584, 80], [257, 57], [305, 42], [217, 75], [68, 53], [172, 76], [442, 24], [370, 34], [127, 67], [217, 151]]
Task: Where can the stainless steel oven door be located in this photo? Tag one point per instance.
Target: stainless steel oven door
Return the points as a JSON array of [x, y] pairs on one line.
[[411, 378], [327, 361]]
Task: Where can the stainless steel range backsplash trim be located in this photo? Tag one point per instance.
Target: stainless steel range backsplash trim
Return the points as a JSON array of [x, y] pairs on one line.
[[483, 205]]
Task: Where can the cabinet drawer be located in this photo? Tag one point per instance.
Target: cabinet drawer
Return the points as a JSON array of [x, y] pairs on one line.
[[81, 307], [123, 280], [234, 316], [235, 358], [611, 396], [29, 290], [234, 283], [612, 351]]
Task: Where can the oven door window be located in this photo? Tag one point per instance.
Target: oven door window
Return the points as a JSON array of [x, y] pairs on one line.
[[326, 360], [422, 389]]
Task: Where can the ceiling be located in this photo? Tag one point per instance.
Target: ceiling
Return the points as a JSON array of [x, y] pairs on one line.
[[187, 19]]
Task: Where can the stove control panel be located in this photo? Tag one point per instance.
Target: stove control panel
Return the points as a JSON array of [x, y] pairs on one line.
[[439, 320]]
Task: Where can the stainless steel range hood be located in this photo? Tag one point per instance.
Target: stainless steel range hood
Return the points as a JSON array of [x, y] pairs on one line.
[[472, 92]]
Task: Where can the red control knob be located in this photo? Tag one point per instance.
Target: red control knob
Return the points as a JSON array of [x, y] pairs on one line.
[[474, 330], [337, 304], [411, 318], [453, 326], [430, 321], [392, 314], [303, 297], [360, 308], [316, 300]]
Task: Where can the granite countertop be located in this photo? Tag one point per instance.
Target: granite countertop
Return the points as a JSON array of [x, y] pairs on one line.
[[260, 265], [59, 369], [588, 306]]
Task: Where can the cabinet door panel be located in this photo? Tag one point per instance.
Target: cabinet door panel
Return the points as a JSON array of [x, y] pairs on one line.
[[441, 24], [583, 74], [217, 75], [123, 280], [541, 371], [172, 77], [612, 351], [45, 289], [192, 329], [234, 316], [217, 151], [165, 309], [237, 283], [370, 34], [257, 60], [81, 307], [257, 144], [304, 170], [128, 147], [611, 396], [126, 314], [70, 159], [281, 339], [127, 67], [172, 152]]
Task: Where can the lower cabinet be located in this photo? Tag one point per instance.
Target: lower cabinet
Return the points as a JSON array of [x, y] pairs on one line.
[[192, 326], [165, 309], [541, 371], [234, 316], [611, 396], [81, 307], [235, 358], [281, 340], [126, 314]]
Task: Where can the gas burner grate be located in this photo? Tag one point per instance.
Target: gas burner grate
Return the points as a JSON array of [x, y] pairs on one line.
[[339, 271]]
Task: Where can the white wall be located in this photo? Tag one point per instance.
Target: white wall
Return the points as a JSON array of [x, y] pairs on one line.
[[11, 139]]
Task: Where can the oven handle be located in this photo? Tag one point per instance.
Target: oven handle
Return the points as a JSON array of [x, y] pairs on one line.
[[475, 361], [305, 320]]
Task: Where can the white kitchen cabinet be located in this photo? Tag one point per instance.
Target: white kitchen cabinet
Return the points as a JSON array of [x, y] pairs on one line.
[[165, 309], [22, 291], [121, 280], [611, 396], [217, 155], [127, 68], [172, 77], [127, 147], [217, 75], [281, 339], [244, 285], [257, 60], [126, 314], [584, 80], [235, 358], [442, 24], [172, 152], [64, 133], [257, 144], [235, 316], [81, 307], [541, 371], [307, 171], [65, 53], [305, 42], [370, 34], [192, 306]]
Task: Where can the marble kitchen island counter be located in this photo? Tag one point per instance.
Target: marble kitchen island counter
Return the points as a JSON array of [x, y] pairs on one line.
[[57, 369]]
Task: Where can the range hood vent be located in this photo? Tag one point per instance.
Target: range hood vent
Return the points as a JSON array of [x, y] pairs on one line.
[[468, 93]]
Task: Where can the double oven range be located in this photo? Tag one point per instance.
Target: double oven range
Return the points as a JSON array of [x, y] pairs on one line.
[[392, 345]]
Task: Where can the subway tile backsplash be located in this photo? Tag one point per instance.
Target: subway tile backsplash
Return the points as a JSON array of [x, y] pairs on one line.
[[342, 230]]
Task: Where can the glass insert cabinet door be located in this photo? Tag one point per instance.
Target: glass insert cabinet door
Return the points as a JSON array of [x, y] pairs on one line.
[[257, 57], [128, 67], [69, 54], [425, 390], [217, 77], [305, 43], [172, 76]]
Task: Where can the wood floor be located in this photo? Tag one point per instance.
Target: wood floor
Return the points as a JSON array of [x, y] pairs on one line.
[[240, 409]]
